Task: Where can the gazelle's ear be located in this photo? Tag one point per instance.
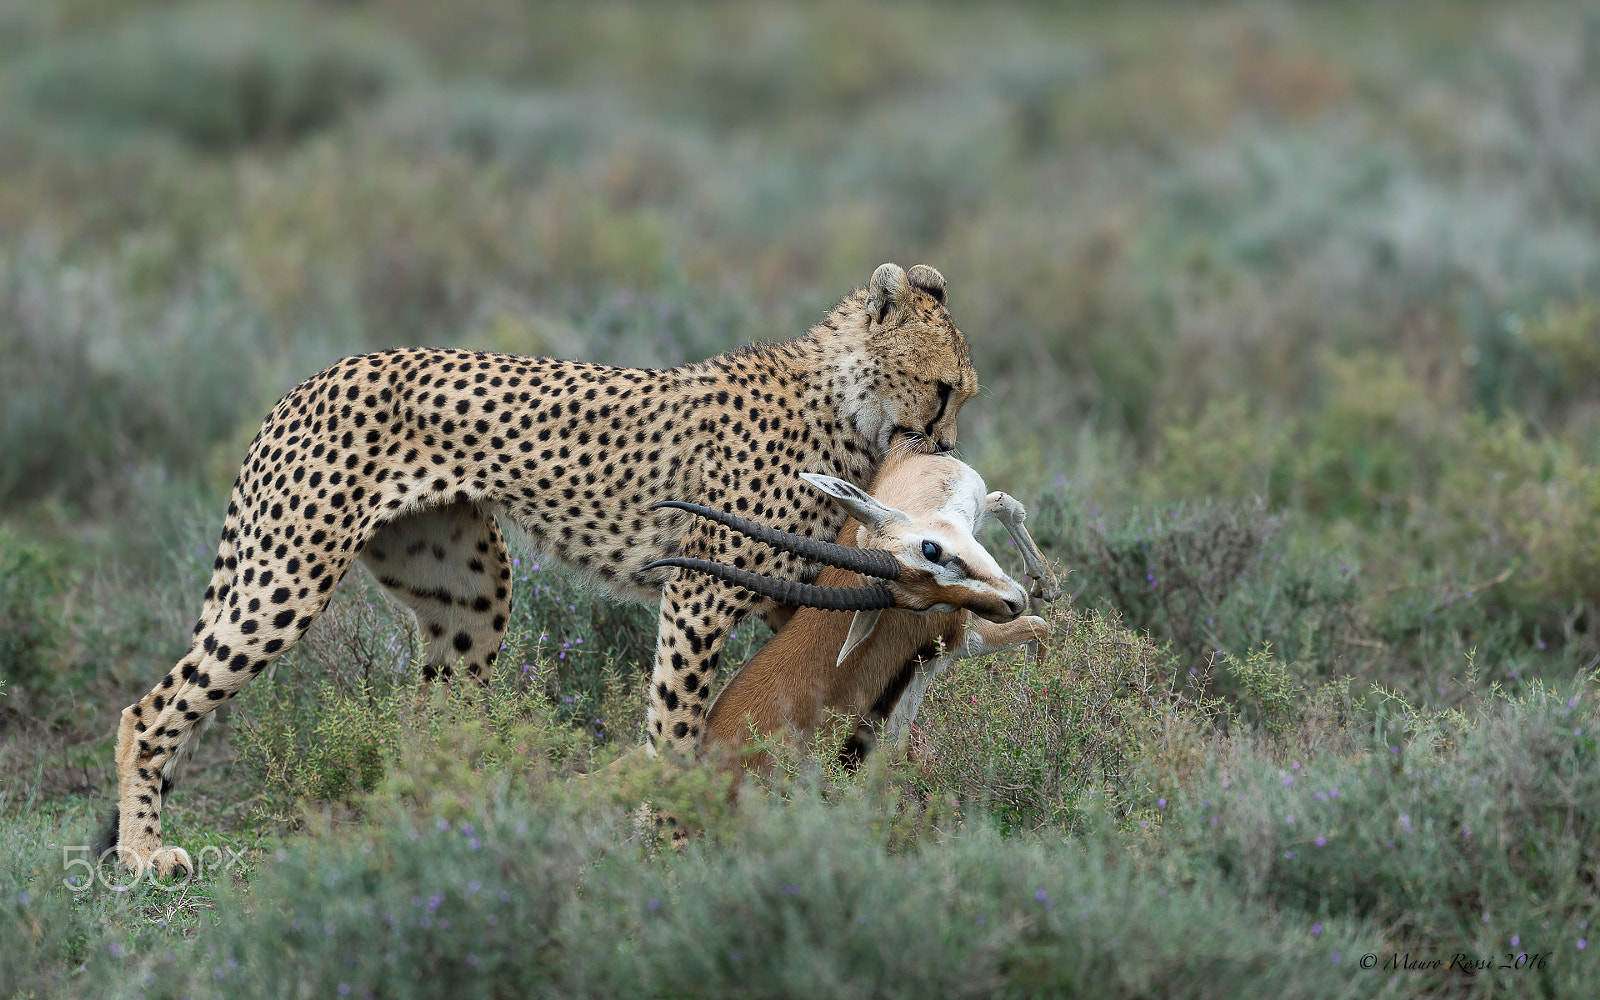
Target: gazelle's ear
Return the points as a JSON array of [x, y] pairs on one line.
[[857, 501], [860, 628]]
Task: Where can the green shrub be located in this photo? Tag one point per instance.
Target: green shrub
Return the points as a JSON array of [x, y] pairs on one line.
[[32, 627], [1207, 577], [1266, 689], [216, 77], [1049, 742], [542, 898], [91, 399], [1466, 832]]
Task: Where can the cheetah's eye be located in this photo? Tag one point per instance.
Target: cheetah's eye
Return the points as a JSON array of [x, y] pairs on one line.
[[945, 389], [931, 551]]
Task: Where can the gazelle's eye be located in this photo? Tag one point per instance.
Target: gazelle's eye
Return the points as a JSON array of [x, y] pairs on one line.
[[931, 551]]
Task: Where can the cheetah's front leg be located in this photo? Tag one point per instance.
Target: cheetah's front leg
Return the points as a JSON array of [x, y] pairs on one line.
[[696, 617]]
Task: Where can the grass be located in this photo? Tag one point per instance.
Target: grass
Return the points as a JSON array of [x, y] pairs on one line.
[[1286, 320]]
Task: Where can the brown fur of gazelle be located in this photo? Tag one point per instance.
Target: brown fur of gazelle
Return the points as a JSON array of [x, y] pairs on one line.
[[800, 678]]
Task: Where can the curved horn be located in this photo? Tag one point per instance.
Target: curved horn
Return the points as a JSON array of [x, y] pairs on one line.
[[872, 597], [868, 562]]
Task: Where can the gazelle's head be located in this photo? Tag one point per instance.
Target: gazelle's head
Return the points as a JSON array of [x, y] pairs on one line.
[[941, 564], [923, 560]]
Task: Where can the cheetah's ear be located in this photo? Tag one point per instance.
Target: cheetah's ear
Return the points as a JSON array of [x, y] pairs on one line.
[[929, 280], [887, 289], [858, 502]]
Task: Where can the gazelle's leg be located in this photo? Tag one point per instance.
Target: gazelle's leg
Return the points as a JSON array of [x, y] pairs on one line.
[[1008, 510], [981, 638]]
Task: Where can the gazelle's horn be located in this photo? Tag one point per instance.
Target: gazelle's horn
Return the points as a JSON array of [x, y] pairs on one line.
[[868, 598], [868, 562]]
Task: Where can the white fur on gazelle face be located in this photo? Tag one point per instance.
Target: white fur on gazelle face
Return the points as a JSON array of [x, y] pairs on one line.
[[943, 565]]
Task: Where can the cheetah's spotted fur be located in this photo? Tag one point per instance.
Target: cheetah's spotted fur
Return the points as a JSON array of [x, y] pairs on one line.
[[405, 458]]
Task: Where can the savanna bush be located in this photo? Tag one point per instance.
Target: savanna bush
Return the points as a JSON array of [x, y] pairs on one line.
[[99, 385], [33, 628], [1208, 578], [547, 897], [1464, 830], [1049, 741], [215, 76]]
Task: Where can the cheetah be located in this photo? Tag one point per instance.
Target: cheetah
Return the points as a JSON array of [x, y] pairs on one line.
[[408, 459]]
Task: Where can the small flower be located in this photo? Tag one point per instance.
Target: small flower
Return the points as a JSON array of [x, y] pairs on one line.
[[1583, 943], [1515, 940], [24, 897], [344, 989], [652, 903], [1289, 855], [1041, 895], [1316, 929], [1322, 841], [1213, 821], [1295, 766], [980, 920], [116, 950], [474, 844], [1161, 803], [1336, 958], [472, 961], [1485, 919]]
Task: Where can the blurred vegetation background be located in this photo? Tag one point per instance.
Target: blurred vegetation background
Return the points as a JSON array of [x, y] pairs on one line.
[[1287, 317]]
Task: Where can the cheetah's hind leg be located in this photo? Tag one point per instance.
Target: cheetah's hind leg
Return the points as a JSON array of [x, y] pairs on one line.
[[450, 566], [247, 623]]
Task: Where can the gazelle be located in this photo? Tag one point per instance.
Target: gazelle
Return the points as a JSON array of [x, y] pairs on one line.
[[940, 598]]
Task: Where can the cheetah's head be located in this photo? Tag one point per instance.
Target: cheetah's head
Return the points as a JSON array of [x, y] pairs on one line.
[[915, 372]]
